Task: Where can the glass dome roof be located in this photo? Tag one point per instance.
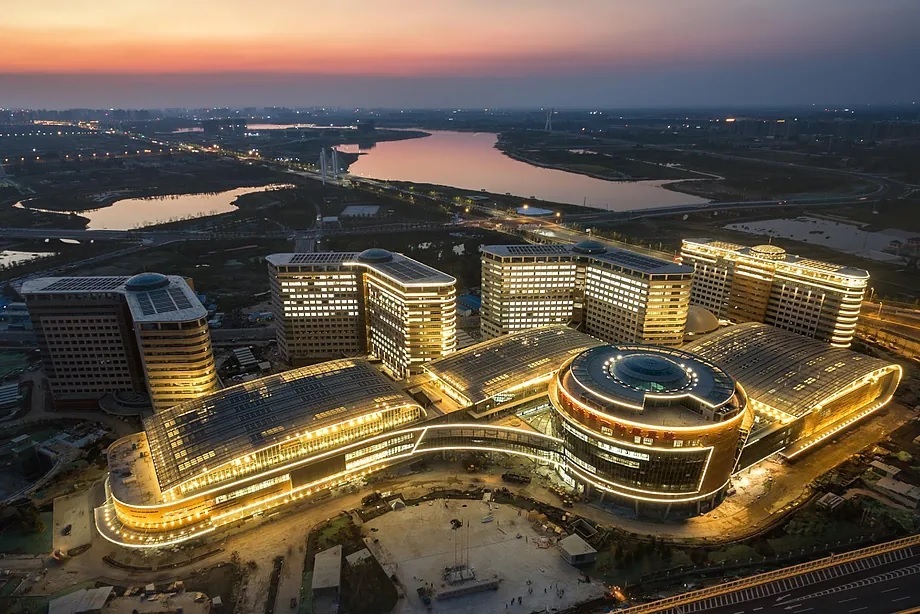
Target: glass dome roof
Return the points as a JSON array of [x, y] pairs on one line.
[[143, 282], [375, 254]]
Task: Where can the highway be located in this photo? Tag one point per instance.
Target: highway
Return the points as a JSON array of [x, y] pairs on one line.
[[879, 579], [878, 589]]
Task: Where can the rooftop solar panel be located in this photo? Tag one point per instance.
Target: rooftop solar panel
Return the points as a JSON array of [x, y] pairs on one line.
[[86, 284]]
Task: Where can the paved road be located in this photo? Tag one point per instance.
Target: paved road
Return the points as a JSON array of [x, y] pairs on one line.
[[878, 585]]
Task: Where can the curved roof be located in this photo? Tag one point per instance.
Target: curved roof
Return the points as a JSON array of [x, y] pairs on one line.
[[589, 247], [144, 282], [486, 369], [654, 385], [375, 255], [236, 421], [782, 369], [700, 321]]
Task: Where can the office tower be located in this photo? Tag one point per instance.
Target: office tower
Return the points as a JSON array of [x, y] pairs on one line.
[[766, 284], [617, 295], [334, 305], [97, 335]]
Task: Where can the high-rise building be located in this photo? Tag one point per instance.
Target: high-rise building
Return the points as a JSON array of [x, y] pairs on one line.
[[97, 335], [346, 304], [615, 294], [765, 284]]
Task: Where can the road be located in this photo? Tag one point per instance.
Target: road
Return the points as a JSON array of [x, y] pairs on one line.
[[879, 584]]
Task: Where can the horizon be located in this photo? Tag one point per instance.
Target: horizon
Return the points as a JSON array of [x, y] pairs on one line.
[[410, 54]]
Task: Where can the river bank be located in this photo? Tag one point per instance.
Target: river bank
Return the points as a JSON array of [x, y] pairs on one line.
[[668, 184]]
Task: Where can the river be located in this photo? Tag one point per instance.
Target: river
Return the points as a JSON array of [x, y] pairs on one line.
[[129, 213], [470, 161]]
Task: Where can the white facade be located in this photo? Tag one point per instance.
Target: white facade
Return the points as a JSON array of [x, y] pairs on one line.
[[335, 305], [617, 295], [765, 284]]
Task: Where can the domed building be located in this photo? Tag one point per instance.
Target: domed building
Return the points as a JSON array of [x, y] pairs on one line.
[[700, 322], [658, 429]]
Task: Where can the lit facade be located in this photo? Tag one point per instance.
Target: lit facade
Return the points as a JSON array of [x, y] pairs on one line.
[[656, 429], [614, 294], [802, 391], [334, 305], [765, 284], [146, 333]]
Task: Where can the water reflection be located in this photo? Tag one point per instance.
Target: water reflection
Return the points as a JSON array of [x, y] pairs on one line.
[[131, 213], [8, 256], [470, 161]]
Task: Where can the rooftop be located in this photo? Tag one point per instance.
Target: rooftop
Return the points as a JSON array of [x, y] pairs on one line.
[[187, 439], [778, 254], [486, 369], [782, 369], [152, 297], [327, 568], [399, 268], [648, 384], [575, 545], [132, 476], [597, 252]]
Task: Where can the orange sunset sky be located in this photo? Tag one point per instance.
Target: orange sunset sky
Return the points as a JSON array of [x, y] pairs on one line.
[[338, 49]]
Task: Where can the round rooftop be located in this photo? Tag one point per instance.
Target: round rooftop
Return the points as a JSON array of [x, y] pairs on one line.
[[143, 282], [375, 255], [700, 321], [770, 252], [650, 372], [589, 247], [658, 386]]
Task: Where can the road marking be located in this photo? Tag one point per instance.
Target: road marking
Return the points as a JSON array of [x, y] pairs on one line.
[[845, 600], [901, 598], [865, 607], [887, 590], [783, 597], [757, 609]]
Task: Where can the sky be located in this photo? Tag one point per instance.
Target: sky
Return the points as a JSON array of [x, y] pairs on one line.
[[457, 53]]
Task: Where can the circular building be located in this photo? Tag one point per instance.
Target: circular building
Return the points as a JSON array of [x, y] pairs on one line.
[[656, 428]]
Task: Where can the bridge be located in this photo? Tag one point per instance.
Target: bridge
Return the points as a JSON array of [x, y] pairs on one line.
[[873, 580]]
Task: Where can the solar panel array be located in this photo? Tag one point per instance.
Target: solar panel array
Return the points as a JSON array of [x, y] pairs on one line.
[[322, 258], [535, 250], [162, 300], [86, 284], [641, 262], [409, 270]]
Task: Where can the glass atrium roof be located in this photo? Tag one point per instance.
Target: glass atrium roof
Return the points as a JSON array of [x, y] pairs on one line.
[[782, 369], [190, 438], [486, 369]]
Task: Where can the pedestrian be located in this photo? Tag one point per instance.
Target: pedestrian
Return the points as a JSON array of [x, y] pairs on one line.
[[544, 591], [519, 600]]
